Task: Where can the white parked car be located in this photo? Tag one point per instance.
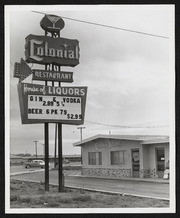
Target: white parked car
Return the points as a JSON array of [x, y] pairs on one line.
[[35, 163]]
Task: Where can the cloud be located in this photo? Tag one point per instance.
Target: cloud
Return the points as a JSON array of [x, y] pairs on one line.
[[127, 74]]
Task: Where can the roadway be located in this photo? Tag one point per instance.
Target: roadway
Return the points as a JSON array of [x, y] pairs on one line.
[[73, 179]]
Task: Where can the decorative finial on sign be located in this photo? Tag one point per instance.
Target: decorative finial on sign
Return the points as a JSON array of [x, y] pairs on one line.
[[52, 23]]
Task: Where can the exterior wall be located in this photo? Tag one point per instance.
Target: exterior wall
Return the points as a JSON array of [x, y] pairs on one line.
[[108, 172], [166, 153], [145, 166], [106, 146], [147, 153], [149, 158]]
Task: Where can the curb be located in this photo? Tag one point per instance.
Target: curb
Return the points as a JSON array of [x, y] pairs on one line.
[[122, 179], [116, 193], [82, 176], [26, 172]]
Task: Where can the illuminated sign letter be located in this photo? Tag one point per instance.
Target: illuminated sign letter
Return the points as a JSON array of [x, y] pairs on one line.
[[32, 49]]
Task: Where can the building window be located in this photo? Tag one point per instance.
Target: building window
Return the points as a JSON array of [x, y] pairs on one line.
[[118, 157], [95, 158]]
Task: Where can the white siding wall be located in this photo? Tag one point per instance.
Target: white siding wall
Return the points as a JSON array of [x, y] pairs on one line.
[[106, 159]]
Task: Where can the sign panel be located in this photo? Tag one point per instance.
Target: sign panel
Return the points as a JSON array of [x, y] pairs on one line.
[[58, 76], [40, 104], [48, 50]]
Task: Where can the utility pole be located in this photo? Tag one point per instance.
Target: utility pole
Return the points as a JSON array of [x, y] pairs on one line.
[[81, 128], [43, 149], [35, 147]]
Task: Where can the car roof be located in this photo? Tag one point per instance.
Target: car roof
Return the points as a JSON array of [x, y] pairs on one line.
[[37, 160]]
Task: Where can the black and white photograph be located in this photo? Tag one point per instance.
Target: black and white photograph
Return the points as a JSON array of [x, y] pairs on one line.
[[90, 109]]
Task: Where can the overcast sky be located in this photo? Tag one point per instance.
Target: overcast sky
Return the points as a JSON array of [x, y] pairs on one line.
[[128, 74]]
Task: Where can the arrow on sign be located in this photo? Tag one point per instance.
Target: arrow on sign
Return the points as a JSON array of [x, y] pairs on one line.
[[21, 70]]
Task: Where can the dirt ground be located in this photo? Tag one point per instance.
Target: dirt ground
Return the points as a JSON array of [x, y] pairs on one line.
[[33, 195]]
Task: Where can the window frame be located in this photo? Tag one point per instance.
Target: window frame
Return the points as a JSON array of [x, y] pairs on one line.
[[96, 160], [116, 160]]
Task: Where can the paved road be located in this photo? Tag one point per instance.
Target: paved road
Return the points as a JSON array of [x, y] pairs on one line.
[[18, 169], [150, 189]]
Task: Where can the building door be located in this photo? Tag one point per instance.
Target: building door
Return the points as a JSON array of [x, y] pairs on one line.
[[160, 162], [135, 163]]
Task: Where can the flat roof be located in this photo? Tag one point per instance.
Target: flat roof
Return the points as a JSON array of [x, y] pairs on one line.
[[71, 156], [144, 139], [12, 156]]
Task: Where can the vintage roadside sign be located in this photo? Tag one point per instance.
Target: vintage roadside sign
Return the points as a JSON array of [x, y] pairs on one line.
[[58, 76], [48, 50], [52, 23], [41, 104], [50, 104]]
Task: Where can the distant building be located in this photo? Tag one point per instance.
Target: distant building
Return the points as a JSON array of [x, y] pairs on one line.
[[73, 158], [124, 156], [15, 159]]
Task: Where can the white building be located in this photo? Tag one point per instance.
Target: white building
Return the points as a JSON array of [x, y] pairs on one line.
[[125, 156]]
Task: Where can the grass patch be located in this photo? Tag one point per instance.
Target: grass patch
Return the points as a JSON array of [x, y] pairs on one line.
[[14, 197], [33, 195], [83, 198]]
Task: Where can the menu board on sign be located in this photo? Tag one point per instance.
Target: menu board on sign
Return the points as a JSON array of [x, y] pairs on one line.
[[40, 104], [54, 107]]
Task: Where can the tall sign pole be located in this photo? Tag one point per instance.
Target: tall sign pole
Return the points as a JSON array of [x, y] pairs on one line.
[[46, 139], [55, 147], [54, 34], [60, 159], [46, 144], [60, 172], [46, 126]]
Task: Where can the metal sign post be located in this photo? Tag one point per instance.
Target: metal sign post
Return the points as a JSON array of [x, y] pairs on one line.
[[60, 169], [60, 159], [46, 138]]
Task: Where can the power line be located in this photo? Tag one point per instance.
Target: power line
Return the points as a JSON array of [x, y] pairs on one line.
[[118, 28], [109, 26], [118, 126]]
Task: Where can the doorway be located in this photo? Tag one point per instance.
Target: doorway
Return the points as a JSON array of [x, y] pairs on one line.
[[160, 162], [135, 163]]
